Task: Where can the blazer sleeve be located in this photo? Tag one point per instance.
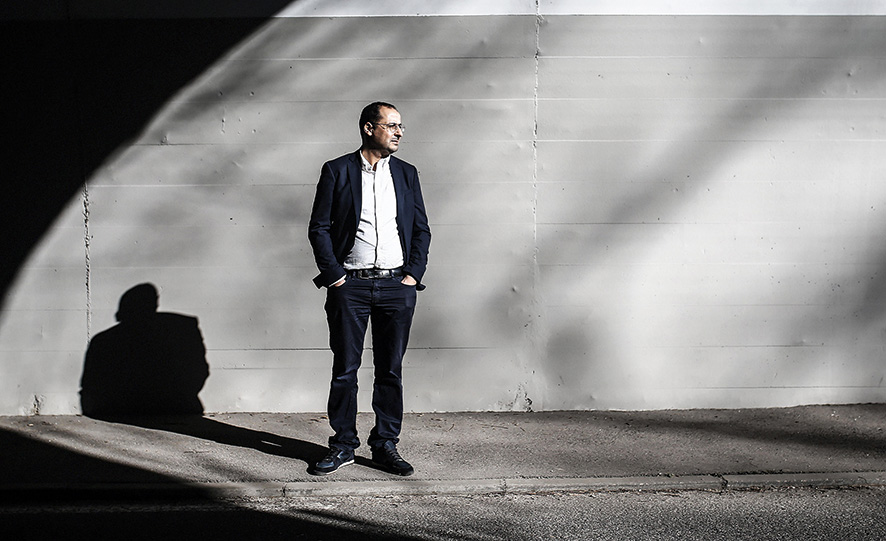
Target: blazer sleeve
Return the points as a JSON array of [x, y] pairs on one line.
[[420, 238], [320, 230]]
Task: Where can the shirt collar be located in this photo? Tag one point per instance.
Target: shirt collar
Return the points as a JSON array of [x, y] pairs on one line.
[[367, 168]]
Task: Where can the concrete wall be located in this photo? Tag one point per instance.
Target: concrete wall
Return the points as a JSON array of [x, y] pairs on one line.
[[631, 210]]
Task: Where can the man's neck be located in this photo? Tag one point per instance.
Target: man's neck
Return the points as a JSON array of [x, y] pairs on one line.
[[373, 156]]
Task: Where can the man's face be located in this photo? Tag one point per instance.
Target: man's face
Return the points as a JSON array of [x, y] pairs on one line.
[[380, 137]]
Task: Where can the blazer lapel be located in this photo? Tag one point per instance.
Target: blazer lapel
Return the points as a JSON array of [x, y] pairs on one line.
[[399, 186], [355, 179], [399, 190]]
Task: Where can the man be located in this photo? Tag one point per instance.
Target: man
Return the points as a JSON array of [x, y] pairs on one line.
[[370, 236]]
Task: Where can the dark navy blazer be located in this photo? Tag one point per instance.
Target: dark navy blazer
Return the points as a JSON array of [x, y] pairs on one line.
[[336, 213]]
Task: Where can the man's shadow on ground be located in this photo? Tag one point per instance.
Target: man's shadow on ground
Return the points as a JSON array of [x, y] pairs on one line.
[[148, 370]]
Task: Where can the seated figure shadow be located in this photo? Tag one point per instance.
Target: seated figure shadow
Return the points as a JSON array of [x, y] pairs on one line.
[[148, 370]]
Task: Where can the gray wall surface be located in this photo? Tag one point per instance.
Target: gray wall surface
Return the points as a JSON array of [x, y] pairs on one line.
[[629, 211]]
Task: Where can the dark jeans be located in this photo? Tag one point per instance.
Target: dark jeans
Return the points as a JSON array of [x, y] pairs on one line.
[[389, 305]]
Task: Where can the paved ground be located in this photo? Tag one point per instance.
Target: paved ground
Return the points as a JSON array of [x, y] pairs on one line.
[[453, 453]]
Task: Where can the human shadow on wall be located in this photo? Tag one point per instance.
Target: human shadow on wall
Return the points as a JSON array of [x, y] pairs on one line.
[[150, 363], [148, 370]]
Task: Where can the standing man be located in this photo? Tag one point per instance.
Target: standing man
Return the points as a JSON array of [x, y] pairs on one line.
[[370, 236]]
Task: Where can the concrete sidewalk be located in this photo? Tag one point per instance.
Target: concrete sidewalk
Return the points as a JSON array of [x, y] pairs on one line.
[[243, 455]]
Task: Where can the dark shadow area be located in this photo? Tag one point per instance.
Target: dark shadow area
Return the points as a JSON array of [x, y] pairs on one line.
[[47, 492], [149, 363], [198, 426], [208, 429], [78, 89], [148, 370], [37, 471]]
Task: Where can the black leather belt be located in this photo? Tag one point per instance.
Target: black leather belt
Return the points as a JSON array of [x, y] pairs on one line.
[[372, 274]]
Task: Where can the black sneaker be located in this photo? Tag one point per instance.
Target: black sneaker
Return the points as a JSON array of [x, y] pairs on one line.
[[390, 460], [334, 459]]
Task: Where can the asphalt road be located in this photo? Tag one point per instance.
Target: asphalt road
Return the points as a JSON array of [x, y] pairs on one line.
[[783, 514]]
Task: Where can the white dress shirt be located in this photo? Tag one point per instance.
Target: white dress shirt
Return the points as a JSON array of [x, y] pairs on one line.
[[377, 245]]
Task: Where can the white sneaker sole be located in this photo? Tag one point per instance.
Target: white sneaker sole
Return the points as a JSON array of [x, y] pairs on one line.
[[343, 464]]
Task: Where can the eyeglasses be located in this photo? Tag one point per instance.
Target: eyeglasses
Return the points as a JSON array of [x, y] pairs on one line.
[[392, 128]]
